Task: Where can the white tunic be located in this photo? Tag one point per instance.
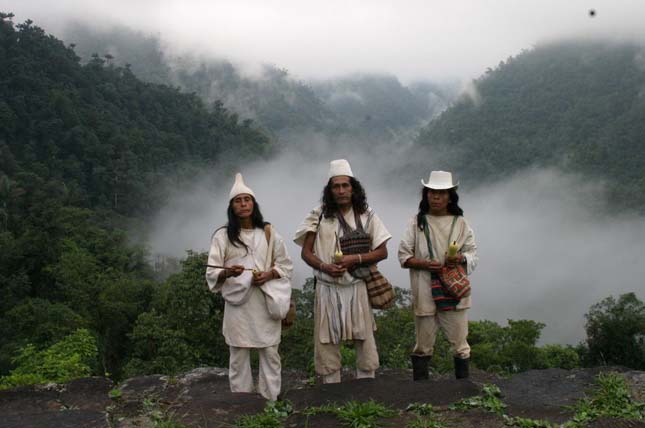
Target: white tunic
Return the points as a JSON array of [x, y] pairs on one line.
[[248, 322], [414, 244], [340, 302]]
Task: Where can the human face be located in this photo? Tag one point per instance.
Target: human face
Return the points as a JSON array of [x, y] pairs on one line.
[[438, 201], [243, 206], [341, 190]]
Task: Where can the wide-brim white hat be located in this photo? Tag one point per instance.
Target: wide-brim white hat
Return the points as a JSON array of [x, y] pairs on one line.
[[440, 180], [340, 167], [239, 187]]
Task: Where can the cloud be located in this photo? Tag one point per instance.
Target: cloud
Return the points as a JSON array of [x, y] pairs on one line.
[[414, 39], [470, 91], [548, 248]]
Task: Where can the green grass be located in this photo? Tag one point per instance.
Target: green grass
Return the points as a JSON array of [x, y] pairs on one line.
[[421, 409], [261, 420], [115, 393], [424, 423], [425, 416], [355, 414], [610, 398], [157, 416], [518, 422], [273, 416]]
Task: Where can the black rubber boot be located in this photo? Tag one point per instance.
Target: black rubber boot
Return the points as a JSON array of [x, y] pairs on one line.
[[420, 366], [461, 368]]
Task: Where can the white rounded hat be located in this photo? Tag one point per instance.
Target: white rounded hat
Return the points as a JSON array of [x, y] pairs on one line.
[[239, 187], [340, 167], [440, 180]]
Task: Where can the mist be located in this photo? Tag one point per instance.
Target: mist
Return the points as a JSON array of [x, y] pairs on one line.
[[414, 40], [547, 248]]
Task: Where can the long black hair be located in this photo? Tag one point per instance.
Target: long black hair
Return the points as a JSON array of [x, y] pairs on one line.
[[359, 199], [233, 226], [424, 205]]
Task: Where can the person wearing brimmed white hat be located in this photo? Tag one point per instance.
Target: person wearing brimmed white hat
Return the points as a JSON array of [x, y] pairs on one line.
[[424, 255], [342, 309], [248, 263]]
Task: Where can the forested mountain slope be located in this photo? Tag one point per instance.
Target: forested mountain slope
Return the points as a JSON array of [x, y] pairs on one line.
[[371, 104], [83, 151], [579, 106]]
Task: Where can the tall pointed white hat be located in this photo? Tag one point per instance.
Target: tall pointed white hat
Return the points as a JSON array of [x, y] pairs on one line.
[[340, 167], [239, 187], [440, 180]]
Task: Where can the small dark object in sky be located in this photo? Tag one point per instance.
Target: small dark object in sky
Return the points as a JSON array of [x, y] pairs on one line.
[[592, 12]]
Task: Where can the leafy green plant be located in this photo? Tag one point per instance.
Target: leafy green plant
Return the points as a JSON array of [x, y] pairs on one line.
[[518, 422], [281, 408], [355, 414], [71, 358], [422, 409], [347, 355], [273, 416], [489, 401], [115, 393], [158, 417], [610, 398], [424, 423], [426, 416], [261, 420]]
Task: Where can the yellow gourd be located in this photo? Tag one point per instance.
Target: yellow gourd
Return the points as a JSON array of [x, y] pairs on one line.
[[452, 249], [338, 256]]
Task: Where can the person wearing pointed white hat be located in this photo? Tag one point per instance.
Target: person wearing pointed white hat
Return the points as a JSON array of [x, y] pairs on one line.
[[424, 255], [342, 310], [248, 263]]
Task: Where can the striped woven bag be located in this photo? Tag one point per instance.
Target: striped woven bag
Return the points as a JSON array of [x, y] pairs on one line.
[[358, 241]]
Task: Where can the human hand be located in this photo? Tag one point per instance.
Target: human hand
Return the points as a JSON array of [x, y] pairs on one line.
[[335, 270], [348, 261], [235, 270], [433, 265], [455, 260], [261, 277]]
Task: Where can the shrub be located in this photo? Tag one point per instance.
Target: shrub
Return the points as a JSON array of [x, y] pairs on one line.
[[71, 358]]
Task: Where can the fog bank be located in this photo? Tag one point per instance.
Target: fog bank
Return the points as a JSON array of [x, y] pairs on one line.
[[546, 251]]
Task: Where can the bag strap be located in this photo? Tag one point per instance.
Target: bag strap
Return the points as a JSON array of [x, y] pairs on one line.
[[427, 234], [346, 228], [267, 235], [267, 232], [343, 224]]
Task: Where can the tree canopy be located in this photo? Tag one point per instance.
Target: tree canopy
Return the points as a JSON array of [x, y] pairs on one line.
[[577, 105], [85, 150]]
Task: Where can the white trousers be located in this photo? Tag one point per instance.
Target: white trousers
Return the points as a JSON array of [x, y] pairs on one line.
[[454, 325], [269, 379]]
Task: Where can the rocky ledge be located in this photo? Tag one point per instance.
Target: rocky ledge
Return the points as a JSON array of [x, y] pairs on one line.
[[201, 398]]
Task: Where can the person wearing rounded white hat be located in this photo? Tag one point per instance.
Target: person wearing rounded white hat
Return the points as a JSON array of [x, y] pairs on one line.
[[248, 263], [424, 251], [342, 310]]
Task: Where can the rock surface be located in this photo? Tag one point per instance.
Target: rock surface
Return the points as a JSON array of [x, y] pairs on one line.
[[201, 398]]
